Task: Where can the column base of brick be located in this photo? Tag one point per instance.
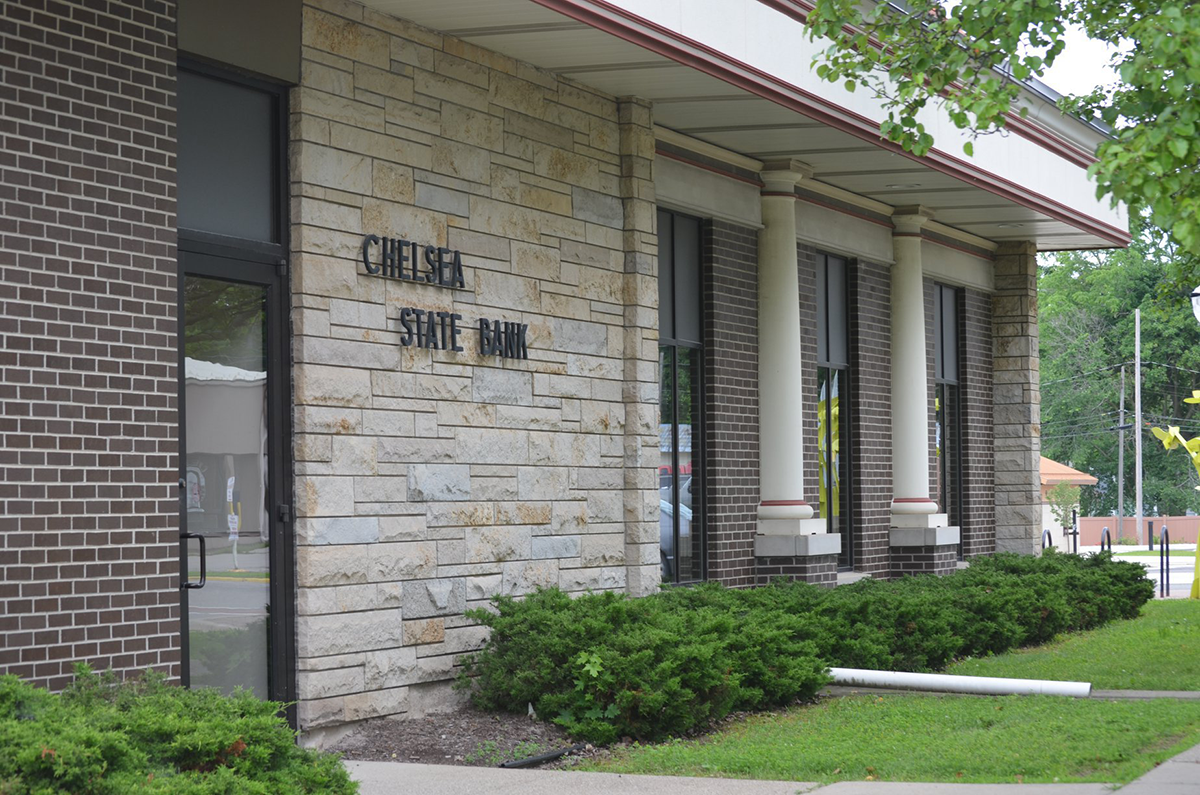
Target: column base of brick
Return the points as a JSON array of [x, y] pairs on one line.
[[807, 558], [811, 557], [924, 550], [817, 569], [937, 560]]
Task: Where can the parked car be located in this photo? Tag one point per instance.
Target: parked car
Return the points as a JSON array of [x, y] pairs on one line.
[[666, 524]]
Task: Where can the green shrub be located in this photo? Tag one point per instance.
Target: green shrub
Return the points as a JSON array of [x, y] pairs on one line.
[[606, 666], [145, 736]]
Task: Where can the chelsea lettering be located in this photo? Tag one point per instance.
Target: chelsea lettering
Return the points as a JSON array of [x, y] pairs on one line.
[[404, 259]]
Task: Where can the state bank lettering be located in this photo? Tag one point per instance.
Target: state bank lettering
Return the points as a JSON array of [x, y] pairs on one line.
[[406, 260]]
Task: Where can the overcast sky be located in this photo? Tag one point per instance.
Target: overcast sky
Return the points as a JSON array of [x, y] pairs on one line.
[[1082, 66]]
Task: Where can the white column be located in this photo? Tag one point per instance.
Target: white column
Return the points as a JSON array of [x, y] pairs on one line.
[[910, 373], [780, 390]]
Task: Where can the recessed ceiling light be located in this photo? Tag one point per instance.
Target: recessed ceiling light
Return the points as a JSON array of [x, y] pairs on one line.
[[904, 185], [1010, 225]]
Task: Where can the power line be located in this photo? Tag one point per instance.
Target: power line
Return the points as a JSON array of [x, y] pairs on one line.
[[1047, 432], [1088, 418], [1086, 415], [1171, 366], [1180, 421], [1079, 434], [1084, 375]]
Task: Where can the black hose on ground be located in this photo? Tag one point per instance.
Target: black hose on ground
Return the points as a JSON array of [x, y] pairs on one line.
[[549, 756]]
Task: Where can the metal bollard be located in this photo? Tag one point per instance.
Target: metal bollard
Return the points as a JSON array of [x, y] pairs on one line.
[[1164, 563]]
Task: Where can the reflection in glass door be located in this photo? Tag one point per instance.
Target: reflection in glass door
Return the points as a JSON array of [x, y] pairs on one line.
[[226, 484]]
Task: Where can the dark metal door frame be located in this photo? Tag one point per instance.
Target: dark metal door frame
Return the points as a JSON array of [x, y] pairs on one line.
[[847, 483], [204, 261], [263, 264], [667, 342]]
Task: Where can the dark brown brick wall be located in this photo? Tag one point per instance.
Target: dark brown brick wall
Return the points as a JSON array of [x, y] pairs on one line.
[[807, 263], [731, 399], [817, 569], [931, 390], [870, 288], [979, 492], [88, 497], [939, 560]]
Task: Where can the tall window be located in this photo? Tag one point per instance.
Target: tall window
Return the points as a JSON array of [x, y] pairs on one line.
[[833, 410], [947, 403], [680, 430]]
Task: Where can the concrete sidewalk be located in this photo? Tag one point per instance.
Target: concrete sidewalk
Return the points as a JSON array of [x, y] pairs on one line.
[[1177, 776]]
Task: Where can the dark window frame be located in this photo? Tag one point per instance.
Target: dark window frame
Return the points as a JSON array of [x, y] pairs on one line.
[[669, 343], [205, 254], [949, 407], [846, 485]]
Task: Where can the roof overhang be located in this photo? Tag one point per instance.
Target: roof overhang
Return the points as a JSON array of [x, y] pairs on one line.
[[1028, 184]]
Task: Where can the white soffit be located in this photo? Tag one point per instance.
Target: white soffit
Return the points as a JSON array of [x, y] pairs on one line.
[[712, 110]]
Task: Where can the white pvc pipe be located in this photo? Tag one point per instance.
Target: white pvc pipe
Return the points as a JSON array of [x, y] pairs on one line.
[[947, 683]]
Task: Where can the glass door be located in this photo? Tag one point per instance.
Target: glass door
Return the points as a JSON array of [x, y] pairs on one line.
[[236, 558], [227, 484]]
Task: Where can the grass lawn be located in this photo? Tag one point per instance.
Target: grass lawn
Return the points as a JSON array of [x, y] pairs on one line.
[[934, 738], [1158, 651], [969, 739], [1145, 553]]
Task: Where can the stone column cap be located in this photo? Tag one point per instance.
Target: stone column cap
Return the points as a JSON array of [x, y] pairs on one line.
[[784, 173], [910, 218]]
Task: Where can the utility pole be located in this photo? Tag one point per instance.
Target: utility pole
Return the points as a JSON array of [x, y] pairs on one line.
[[1137, 415], [1121, 461]]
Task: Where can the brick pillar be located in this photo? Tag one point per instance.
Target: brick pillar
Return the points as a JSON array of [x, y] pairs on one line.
[[640, 393], [89, 502], [731, 400], [1017, 400], [870, 287], [979, 456]]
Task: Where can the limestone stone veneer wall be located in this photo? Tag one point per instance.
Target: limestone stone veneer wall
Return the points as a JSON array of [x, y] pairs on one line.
[[428, 481]]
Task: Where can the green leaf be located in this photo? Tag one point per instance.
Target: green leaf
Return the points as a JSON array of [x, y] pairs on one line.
[[969, 148]]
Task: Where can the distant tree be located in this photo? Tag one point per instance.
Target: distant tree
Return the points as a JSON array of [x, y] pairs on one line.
[[1086, 303], [224, 322], [1063, 499], [966, 57]]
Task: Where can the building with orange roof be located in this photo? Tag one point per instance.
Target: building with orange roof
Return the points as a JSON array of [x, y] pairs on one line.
[[1052, 474]]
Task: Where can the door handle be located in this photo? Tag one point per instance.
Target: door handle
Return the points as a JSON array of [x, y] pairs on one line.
[[203, 563]]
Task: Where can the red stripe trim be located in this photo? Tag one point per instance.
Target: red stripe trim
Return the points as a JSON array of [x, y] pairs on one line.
[[1030, 131], [817, 203], [783, 502], [651, 36], [843, 211], [988, 255], [1076, 155], [673, 156]]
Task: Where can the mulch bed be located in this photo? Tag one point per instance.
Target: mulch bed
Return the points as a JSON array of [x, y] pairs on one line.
[[464, 737], [469, 736]]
